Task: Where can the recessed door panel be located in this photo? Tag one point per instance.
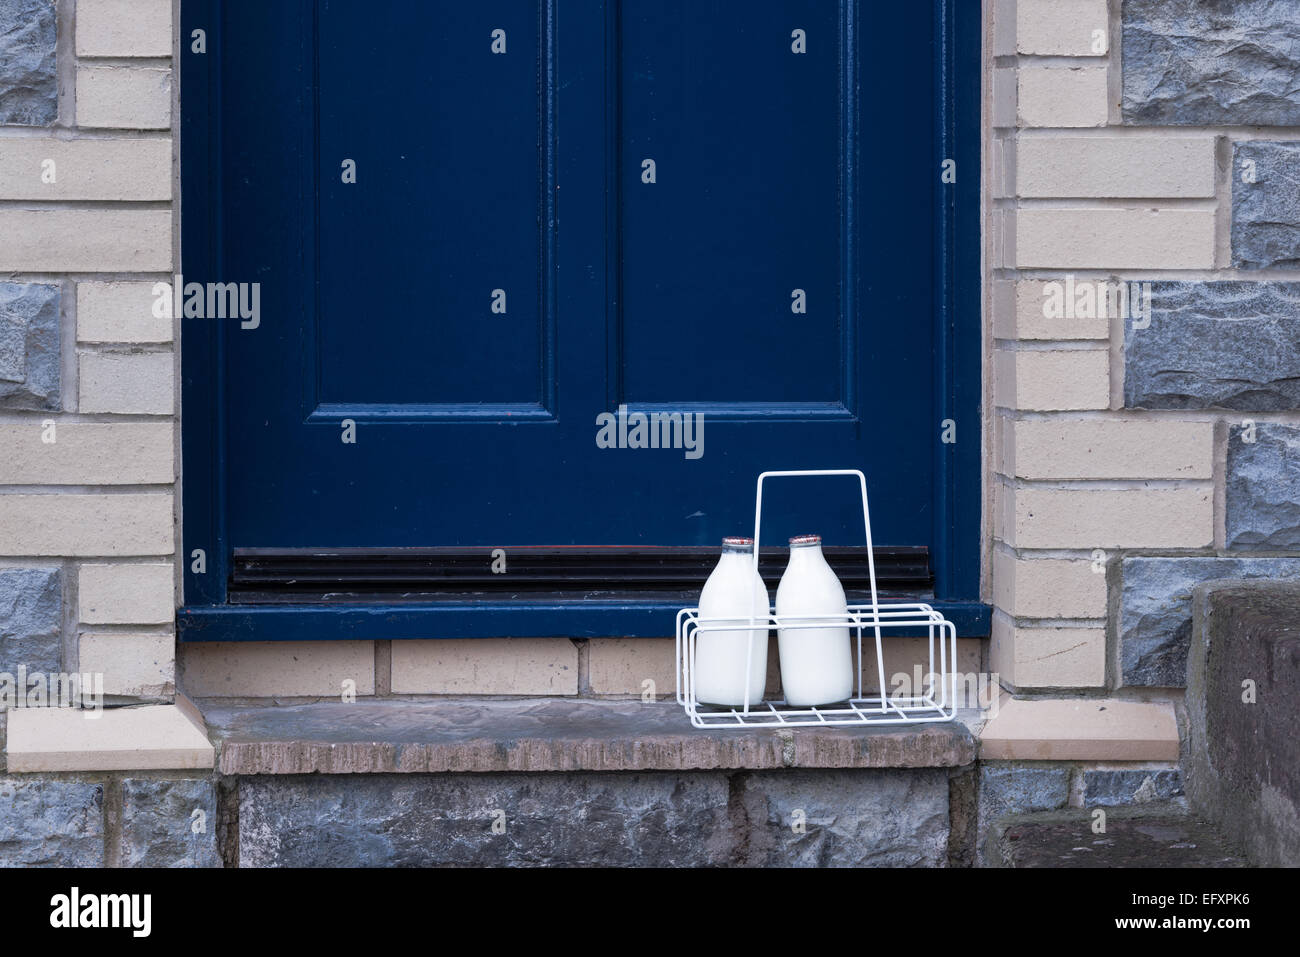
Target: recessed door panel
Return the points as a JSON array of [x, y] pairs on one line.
[[733, 181], [432, 148]]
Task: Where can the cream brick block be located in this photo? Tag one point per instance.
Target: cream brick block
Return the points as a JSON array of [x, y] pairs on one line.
[[1108, 449], [1062, 27], [904, 656], [1003, 155], [87, 453], [153, 737], [507, 666], [135, 666], [1109, 518], [1043, 658], [124, 97], [119, 312], [623, 665], [1124, 167], [1115, 238], [90, 525], [124, 28], [1004, 98], [1002, 223], [136, 169], [127, 594], [280, 669], [1003, 510], [1004, 27], [1048, 587], [1054, 380], [85, 240], [1062, 96], [1020, 312], [1002, 649], [133, 383], [1080, 729], [618, 666]]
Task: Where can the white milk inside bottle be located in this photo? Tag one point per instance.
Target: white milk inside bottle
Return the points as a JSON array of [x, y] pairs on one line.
[[816, 663], [735, 593]]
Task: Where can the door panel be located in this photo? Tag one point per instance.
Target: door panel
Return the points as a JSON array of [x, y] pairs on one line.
[[752, 172], [449, 205]]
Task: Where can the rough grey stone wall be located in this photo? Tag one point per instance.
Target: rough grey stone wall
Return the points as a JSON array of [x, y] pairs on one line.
[[1017, 789], [29, 346], [409, 820], [1211, 62], [160, 826], [1104, 787], [1263, 488], [1266, 205], [51, 822], [1155, 617], [788, 818], [62, 820], [1226, 345], [871, 817], [1243, 753], [29, 89], [31, 603], [889, 819]]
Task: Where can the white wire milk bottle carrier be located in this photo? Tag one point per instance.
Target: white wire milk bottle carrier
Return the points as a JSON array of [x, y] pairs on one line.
[[936, 700]]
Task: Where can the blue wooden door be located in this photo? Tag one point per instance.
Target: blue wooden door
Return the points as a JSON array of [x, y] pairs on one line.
[[505, 248]]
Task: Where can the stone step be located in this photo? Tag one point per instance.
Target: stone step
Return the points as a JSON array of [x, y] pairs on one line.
[[1150, 837], [548, 734], [474, 783]]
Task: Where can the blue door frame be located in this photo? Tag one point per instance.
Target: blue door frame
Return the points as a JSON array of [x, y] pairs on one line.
[[208, 614]]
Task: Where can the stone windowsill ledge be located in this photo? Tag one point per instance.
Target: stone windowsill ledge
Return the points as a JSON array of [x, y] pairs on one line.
[[152, 737], [548, 734]]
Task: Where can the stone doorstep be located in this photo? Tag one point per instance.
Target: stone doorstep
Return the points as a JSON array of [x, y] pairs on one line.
[[548, 734], [148, 738], [1080, 729]]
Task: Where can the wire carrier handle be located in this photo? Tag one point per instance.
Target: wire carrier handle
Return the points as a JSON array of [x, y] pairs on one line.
[[871, 569]]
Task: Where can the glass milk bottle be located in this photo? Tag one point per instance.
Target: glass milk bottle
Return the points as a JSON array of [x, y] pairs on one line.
[[734, 591], [816, 663]]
